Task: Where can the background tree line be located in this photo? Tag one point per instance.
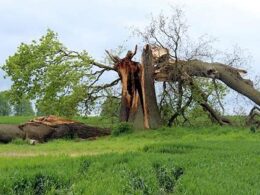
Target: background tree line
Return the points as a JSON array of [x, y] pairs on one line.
[[21, 108]]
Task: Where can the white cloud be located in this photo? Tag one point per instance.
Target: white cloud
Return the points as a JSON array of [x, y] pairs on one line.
[[102, 24]]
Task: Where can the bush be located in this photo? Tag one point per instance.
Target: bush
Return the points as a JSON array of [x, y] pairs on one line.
[[19, 141], [122, 128], [252, 129], [167, 177]]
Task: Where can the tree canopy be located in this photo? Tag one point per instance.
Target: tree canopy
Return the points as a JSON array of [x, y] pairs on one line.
[[23, 108], [5, 107], [47, 72]]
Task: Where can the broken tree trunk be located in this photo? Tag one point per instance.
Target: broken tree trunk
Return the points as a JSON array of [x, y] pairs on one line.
[[168, 71], [138, 103], [151, 115]]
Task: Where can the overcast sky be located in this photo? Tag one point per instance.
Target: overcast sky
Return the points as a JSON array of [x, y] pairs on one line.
[[104, 24]]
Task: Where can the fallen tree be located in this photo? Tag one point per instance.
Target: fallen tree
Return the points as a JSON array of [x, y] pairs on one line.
[[43, 129], [62, 81], [10, 132], [139, 103], [168, 71]]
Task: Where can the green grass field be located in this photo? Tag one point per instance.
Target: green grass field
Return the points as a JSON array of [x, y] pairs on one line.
[[212, 160]]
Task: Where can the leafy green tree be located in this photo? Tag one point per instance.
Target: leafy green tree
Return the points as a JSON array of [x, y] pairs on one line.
[[5, 107], [23, 108], [46, 71], [110, 108]]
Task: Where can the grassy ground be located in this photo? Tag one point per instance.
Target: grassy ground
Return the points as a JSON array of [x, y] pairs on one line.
[[210, 160]]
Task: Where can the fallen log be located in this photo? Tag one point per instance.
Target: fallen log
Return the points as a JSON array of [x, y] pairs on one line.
[[43, 129], [53, 127], [10, 132], [37, 131]]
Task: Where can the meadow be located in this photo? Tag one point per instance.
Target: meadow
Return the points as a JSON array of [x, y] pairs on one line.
[[178, 160]]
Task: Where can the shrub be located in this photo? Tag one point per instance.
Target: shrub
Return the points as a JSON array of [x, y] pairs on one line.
[[122, 128], [19, 141], [252, 129], [167, 177]]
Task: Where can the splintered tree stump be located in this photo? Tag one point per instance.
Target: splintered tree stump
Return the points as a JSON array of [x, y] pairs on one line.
[[138, 103]]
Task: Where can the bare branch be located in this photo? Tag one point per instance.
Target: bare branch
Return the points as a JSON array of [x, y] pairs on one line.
[[100, 65], [114, 58]]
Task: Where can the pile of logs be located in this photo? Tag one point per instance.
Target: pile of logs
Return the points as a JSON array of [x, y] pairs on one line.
[[45, 128]]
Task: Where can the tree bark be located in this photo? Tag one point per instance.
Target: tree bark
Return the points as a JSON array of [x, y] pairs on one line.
[[231, 76], [10, 132], [138, 103], [150, 112], [45, 128]]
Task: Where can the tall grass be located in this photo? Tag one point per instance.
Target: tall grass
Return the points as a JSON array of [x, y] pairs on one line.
[[205, 160]]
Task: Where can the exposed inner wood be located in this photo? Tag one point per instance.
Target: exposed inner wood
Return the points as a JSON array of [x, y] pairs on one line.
[[130, 73], [45, 128], [138, 93], [51, 120]]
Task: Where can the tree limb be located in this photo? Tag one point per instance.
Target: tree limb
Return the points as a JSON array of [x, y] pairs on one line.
[[100, 65], [168, 71], [180, 111]]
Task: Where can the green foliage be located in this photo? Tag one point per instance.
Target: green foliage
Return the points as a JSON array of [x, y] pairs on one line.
[[215, 94], [49, 73], [166, 111], [110, 108], [84, 166], [39, 184], [167, 178], [23, 108], [169, 148], [5, 107], [252, 129], [19, 142], [122, 128], [14, 119]]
